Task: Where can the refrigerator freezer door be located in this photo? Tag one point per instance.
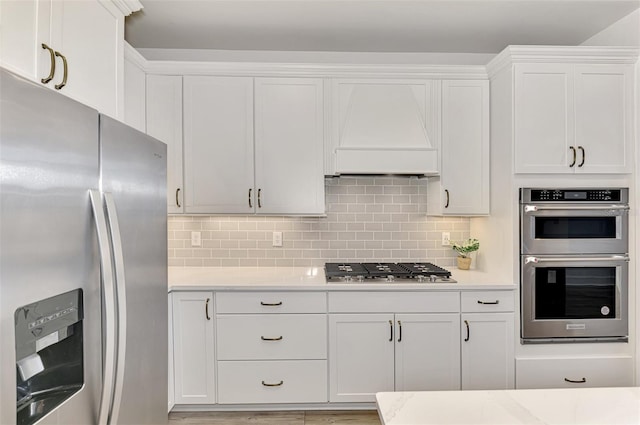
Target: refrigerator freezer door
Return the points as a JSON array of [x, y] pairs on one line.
[[133, 179], [48, 163]]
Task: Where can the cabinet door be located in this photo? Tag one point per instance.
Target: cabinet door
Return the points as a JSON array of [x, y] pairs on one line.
[[487, 351], [604, 118], [19, 37], [360, 356], [463, 188], [193, 348], [289, 145], [218, 145], [164, 122], [543, 118], [90, 35], [171, 399], [427, 356]]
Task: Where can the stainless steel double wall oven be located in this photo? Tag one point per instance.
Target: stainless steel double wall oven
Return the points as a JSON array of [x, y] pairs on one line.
[[574, 260]]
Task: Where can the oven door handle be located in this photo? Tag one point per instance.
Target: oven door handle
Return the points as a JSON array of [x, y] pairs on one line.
[[531, 259], [534, 208]]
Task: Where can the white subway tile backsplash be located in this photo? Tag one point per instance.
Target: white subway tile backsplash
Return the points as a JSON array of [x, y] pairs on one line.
[[368, 219]]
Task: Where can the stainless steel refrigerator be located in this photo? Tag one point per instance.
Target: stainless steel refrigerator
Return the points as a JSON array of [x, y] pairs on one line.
[[83, 264]]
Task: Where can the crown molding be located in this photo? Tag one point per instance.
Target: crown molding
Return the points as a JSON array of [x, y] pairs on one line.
[[133, 56], [317, 70], [562, 54], [127, 7]]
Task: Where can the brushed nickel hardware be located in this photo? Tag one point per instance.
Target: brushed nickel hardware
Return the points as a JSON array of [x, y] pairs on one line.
[[582, 152], [271, 304], [446, 192], [533, 208], [271, 339], [582, 381], [489, 302], [272, 385], [178, 199], [391, 330], [206, 309], [466, 323], [250, 204], [52, 67], [573, 149], [399, 331], [259, 198], [65, 72]]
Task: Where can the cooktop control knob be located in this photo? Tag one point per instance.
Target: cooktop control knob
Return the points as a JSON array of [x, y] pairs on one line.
[[421, 278], [433, 278], [391, 278]]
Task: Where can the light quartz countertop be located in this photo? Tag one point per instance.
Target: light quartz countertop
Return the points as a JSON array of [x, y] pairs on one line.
[[581, 406], [311, 279]]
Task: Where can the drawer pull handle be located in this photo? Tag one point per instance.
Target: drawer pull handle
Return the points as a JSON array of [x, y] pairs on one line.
[[391, 330], [573, 162], [581, 151], [582, 381], [271, 339], [466, 323], [206, 309], [272, 385], [271, 304], [489, 302], [399, 331]]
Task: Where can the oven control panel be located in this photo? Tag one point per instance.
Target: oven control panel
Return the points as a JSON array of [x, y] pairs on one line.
[[573, 195]]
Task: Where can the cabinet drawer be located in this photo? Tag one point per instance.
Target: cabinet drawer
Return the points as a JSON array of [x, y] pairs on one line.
[[271, 336], [487, 301], [271, 302], [293, 381], [394, 302], [594, 371]]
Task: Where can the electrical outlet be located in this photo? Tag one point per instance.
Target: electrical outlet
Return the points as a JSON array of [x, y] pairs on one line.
[[446, 239], [277, 238], [196, 239]]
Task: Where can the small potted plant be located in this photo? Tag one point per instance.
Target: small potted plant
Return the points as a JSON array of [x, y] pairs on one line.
[[464, 249]]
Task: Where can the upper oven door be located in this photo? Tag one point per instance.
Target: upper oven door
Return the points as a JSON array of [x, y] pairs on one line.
[[574, 229]]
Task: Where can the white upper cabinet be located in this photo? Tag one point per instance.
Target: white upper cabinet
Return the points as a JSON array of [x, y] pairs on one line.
[[74, 47], [573, 118], [230, 168], [164, 122], [383, 126], [289, 145], [218, 144], [463, 185]]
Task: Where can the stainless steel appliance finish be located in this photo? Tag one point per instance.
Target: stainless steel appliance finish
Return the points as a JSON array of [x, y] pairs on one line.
[[82, 206], [386, 273], [574, 265], [576, 221]]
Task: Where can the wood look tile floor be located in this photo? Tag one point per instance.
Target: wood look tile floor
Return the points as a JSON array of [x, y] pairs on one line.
[[346, 417]]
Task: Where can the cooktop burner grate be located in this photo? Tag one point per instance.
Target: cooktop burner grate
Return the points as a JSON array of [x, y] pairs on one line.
[[373, 271]]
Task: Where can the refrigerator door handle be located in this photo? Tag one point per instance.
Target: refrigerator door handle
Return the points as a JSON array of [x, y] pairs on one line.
[[109, 327], [121, 302]]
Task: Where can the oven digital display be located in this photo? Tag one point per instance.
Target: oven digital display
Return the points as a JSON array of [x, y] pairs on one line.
[[575, 195]]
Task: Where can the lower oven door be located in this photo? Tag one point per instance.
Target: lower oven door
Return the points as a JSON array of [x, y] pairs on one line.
[[573, 298]]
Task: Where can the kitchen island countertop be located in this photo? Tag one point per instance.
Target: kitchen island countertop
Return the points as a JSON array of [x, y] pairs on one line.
[[312, 279], [579, 406]]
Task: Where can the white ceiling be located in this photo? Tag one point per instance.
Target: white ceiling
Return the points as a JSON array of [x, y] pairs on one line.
[[471, 26]]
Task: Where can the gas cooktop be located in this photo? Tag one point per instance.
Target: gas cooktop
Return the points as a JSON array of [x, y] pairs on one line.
[[386, 272]]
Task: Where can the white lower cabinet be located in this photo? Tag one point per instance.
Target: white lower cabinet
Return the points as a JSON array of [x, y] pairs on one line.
[[386, 352], [574, 372], [194, 357]]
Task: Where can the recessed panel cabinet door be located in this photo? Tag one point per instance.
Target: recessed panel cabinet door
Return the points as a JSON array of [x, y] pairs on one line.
[[218, 145], [164, 122], [193, 348], [289, 146], [361, 356], [603, 116], [427, 354], [543, 118]]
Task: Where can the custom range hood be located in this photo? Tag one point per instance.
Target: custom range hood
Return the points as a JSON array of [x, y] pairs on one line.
[[383, 127]]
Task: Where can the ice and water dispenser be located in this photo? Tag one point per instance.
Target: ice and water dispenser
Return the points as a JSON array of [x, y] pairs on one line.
[[49, 354]]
